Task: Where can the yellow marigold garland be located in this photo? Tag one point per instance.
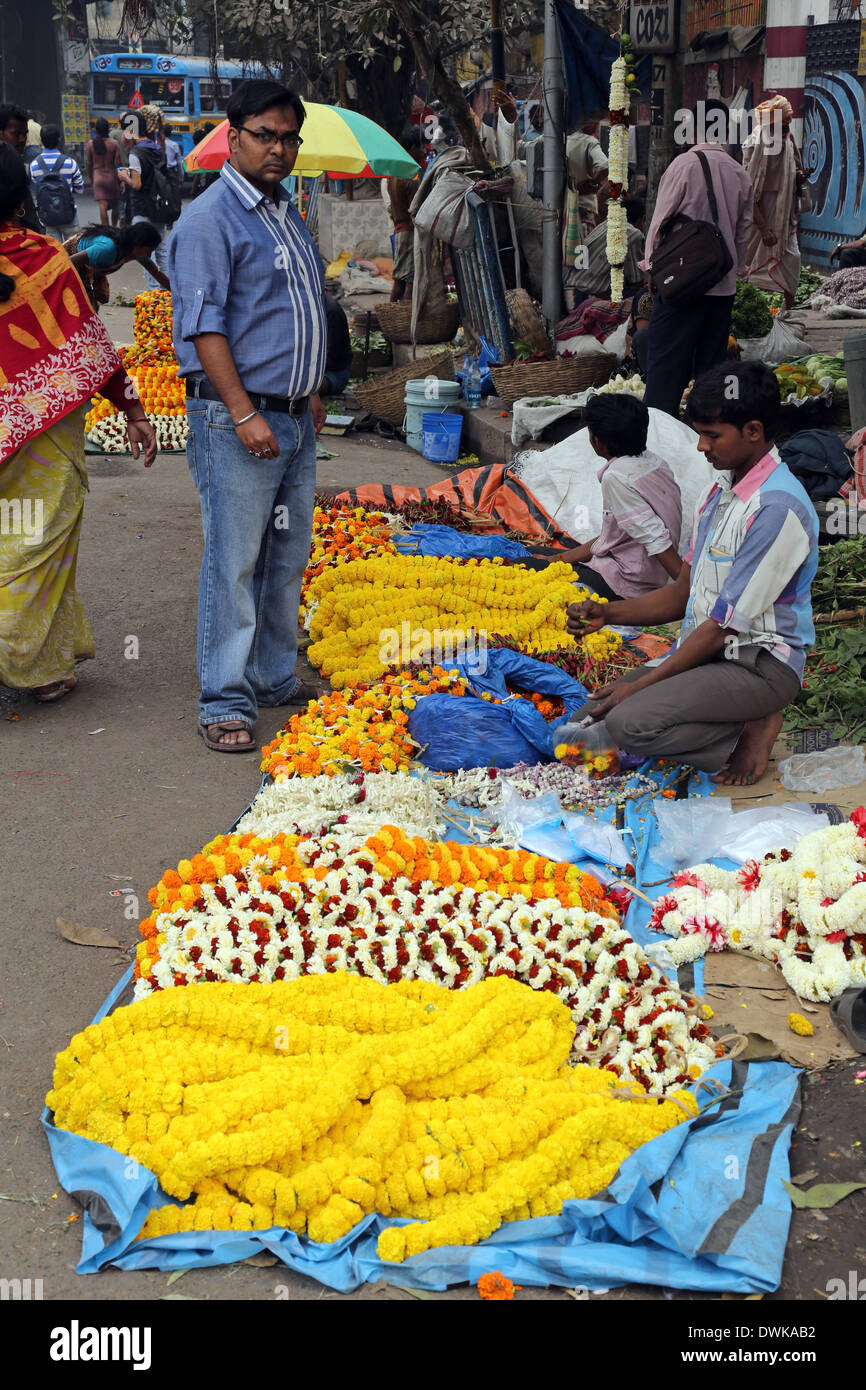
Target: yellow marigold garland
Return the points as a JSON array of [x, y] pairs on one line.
[[308, 1104], [357, 603]]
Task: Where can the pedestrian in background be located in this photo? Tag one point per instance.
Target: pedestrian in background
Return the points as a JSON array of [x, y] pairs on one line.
[[102, 158], [34, 140], [250, 337], [173, 156], [56, 179], [153, 198], [14, 125], [687, 340]]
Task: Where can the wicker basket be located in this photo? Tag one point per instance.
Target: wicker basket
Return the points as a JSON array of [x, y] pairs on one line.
[[526, 321], [437, 324], [558, 377], [384, 395]]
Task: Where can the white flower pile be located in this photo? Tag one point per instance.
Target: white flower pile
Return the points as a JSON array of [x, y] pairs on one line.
[[630, 385], [804, 910], [619, 99], [109, 434], [354, 805], [351, 919]]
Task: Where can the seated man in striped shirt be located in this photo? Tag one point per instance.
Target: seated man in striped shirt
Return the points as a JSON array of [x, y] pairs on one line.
[[716, 700], [250, 336]]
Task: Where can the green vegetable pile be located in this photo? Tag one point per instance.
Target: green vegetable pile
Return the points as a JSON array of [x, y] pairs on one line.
[[841, 579], [751, 316], [826, 364], [834, 693]]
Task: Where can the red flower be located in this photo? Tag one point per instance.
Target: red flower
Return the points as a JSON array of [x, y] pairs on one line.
[[749, 875], [689, 880], [836, 936], [859, 819]]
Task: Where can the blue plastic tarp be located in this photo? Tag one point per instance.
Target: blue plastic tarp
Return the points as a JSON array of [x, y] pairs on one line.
[[429, 538]]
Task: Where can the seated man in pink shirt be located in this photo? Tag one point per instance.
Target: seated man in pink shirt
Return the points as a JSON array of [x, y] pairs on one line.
[[636, 549]]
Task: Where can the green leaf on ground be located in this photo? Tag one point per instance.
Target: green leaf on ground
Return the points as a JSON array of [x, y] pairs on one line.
[[824, 1194]]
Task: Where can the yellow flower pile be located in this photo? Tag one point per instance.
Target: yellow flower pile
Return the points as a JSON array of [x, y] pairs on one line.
[[309, 1104], [442, 600]]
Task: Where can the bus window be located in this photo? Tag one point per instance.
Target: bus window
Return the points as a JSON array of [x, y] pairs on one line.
[[162, 91], [111, 89], [207, 101]]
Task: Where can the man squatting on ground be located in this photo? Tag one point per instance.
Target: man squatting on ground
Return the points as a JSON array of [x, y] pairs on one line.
[[743, 594]]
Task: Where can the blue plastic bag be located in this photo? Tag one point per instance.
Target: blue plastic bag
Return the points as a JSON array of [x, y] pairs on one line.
[[431, 539], [487, 357], [460, 732]]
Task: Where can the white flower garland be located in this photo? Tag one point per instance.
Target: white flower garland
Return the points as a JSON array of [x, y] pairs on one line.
[[617, 227], [351, 919], [804, 910]]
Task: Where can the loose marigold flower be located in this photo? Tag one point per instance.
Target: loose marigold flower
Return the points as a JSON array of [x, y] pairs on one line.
[[496, 1287]]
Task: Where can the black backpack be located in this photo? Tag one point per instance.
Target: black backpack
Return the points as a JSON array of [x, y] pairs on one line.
[[163, 195], [54, 201], [692, 256]]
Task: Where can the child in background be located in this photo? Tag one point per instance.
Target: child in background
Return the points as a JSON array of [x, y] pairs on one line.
[[636, 550]]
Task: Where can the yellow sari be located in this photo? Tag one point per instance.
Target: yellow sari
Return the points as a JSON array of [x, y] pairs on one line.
[[43, 627], [54, 354]]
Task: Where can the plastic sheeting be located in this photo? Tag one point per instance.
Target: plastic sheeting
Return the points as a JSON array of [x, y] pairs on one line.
[[431, 539], [667, 1217], [451, 729]]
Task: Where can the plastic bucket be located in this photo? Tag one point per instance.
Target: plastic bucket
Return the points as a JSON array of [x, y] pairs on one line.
[[441, 437], [419, 396]]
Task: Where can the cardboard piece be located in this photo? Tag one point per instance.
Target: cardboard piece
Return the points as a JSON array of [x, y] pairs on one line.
[[751, 996]]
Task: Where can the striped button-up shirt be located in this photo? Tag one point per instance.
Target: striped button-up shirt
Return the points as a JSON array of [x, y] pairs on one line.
[[243, 265], [754, 554], [57, 163]]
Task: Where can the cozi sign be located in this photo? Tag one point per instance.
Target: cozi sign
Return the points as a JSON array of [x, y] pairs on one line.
[[653, 25]]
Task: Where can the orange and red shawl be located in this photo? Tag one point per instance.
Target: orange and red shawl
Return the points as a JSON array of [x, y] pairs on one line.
[[54, 351]]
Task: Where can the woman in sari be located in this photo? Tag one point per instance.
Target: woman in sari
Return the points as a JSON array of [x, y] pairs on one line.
[[772, 161], [54, 355]]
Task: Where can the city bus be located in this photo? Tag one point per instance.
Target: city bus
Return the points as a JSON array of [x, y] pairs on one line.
[[183, 87]]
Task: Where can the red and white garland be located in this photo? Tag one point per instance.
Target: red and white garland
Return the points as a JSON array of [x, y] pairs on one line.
[[627, 1019], [803, 909]]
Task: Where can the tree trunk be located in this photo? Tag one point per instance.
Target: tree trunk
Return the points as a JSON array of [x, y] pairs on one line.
[[383, 94], [446, 87]]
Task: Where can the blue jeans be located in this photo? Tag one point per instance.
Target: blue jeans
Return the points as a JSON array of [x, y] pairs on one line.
[[684, 343], [257, 518]]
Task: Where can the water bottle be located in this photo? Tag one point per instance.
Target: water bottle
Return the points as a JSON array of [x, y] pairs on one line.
[[472, 383]]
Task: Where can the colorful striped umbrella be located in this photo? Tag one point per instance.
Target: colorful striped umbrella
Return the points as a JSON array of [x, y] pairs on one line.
[[336, 141]]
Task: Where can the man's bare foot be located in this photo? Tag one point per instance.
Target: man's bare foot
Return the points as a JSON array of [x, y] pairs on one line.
[[752, 753], [228, 736]]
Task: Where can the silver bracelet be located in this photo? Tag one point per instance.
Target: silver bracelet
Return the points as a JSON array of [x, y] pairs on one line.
[[237, 423]]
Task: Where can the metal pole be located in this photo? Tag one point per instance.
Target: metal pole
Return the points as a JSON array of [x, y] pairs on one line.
[[497, 48], [553, 97]]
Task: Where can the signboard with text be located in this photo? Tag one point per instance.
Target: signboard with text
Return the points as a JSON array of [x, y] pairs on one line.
[[653, 25]]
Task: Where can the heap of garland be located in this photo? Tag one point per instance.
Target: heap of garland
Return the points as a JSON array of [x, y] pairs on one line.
[[529, 1021], [152, 365]]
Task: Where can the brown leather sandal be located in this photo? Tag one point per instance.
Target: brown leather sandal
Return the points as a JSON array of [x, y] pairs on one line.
[[227, 726]]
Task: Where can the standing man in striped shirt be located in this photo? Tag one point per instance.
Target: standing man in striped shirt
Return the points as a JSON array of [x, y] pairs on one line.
[[251, 338]]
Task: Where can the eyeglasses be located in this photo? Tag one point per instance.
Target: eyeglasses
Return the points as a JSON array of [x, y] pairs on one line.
[[290, 141]]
